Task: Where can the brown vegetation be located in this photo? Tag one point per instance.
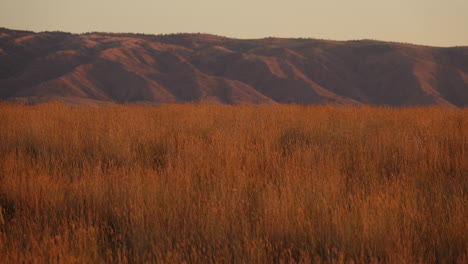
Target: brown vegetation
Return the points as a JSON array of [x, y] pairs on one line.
[[224, 184], [129, 68]]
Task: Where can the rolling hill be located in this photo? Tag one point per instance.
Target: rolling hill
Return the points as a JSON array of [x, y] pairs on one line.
[[103, 68]]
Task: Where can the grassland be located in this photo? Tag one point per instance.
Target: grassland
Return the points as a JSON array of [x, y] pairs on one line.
[[233, 184]]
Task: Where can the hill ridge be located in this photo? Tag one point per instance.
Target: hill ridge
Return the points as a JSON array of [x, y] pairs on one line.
[[196, 67]]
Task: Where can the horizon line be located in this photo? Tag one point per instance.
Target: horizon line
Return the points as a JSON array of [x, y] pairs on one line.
[[228, 37]]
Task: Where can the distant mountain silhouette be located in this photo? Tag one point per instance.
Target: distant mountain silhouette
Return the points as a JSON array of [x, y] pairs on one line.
[[101, 68]]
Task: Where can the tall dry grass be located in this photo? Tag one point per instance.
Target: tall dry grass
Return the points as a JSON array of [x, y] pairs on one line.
[[233, 184]]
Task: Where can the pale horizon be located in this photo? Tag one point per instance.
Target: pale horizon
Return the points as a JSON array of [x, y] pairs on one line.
[[431, 23]]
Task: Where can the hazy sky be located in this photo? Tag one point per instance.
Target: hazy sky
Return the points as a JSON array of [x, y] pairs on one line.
[[430, 22]]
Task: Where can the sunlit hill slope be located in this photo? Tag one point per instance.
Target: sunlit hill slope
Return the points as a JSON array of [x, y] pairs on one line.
[[133, 68]]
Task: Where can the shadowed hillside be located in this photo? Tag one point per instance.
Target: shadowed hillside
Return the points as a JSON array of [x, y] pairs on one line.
[[133, 68]]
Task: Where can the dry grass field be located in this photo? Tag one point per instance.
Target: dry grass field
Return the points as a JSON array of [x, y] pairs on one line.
[[233, 184]]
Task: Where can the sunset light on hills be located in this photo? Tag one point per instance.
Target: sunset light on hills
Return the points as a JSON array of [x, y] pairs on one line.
[[248, 131]]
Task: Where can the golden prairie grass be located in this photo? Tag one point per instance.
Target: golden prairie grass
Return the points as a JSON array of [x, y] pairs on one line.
[[233, 184]]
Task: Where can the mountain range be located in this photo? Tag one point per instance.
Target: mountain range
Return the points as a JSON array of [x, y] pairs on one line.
[[108, 68]]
